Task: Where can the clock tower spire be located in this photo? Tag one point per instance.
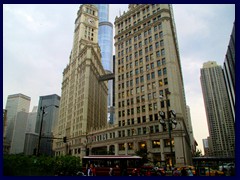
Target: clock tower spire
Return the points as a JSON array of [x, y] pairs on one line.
[[83, 104]]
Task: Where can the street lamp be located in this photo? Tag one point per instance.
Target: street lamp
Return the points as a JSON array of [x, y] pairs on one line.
[[169, 120], [40, 132]]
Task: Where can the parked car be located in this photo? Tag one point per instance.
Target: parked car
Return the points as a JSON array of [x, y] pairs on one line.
[[227, 166]]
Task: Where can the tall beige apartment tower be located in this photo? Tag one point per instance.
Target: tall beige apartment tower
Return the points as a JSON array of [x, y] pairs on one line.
[[83, 105], [147, 66]]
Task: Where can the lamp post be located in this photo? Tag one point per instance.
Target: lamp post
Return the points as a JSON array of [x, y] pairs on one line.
[[41, 123], [170, 122]]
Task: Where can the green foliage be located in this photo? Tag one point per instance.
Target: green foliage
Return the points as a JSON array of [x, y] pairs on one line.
[[21, 165], [198, 153]]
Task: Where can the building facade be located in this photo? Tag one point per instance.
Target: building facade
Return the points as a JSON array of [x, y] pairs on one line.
[[229, 71], [147, 65], [18, 138], [15, 103], [46, 122], [142, 73], [83, 105], [6, 145], [218, 111]]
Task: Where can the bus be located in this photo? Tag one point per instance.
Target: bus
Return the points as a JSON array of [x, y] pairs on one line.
[[122, 165]]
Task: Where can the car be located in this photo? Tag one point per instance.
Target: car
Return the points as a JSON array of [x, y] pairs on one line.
[[213, 172], [227, 166]]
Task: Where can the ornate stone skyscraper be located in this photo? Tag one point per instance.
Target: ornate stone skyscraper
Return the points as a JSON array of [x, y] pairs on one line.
[[83, 104], [147, 66]]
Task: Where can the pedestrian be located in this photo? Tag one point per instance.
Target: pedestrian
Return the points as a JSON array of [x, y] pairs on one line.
[[189, 171], [176, 172], [111, 172], [93, 170], [134, 172], [89, 171], [231, 171], [184, 172]]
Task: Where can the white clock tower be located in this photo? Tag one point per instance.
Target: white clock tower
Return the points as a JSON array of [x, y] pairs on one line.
[[83, 105]]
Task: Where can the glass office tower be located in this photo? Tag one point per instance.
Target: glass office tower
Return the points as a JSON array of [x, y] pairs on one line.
[[105, 41]]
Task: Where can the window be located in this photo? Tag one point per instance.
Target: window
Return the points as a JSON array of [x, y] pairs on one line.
[[136, 72], [153, 75], [164, 71], [167, 142], [121, 146], [139, 120], [160, 72], [137, 80], [161, 43], [150, 107], [165, 81], [143, 109], [139, 131], [155, 144], [148, 76], [152, 65], [144, 130], [130, 145], [151, 129], [163, 61], [150, 48], [144, 119], [136, 63], [149, 96], [163, 52], [147, 58], [138, 109]]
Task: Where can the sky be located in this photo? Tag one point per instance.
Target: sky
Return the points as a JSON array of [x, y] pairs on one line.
[[37, 41]]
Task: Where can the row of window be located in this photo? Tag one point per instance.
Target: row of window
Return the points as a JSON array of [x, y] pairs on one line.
[[139, 120], [131, 101], [146, 33], [130, 146], [139, 89], [146, 41], [143, 145], [136, 16]]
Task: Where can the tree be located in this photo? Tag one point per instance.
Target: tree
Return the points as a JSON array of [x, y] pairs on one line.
[[198, 153]]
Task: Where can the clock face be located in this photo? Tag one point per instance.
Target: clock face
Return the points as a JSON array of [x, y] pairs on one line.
[[91, 21]]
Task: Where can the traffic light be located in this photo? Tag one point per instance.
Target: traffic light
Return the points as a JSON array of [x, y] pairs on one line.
[[64, 139], [161, 114]]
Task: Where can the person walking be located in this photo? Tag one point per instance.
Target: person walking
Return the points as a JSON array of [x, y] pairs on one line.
[[176, 172], [111, 172], [184, 172]]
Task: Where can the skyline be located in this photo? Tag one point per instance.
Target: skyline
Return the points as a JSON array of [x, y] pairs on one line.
[[43, 33]]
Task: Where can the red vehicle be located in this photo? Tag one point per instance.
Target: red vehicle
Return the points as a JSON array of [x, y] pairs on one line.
[[122, 165]]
